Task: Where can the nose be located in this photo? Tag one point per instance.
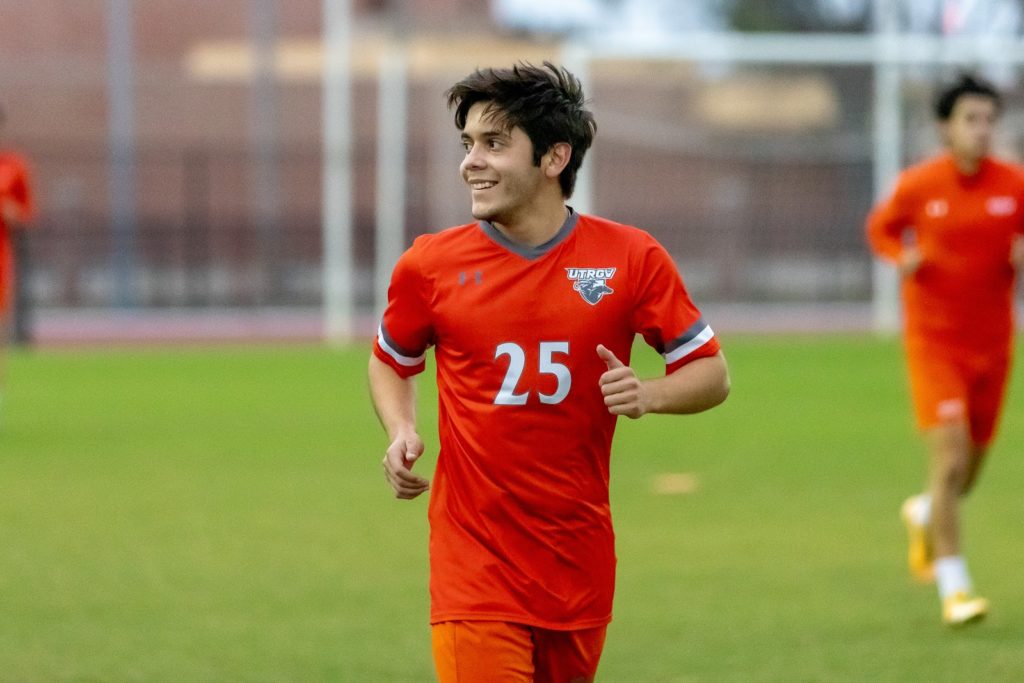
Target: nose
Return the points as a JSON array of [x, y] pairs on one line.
[[983, 131], [472, 160]]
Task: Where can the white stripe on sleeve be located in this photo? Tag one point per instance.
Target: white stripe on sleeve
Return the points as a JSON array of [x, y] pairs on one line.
[[407, 361], [702, 338]]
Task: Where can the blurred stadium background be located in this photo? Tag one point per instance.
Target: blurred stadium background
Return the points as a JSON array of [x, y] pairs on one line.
[[248, 170], [251, 168]]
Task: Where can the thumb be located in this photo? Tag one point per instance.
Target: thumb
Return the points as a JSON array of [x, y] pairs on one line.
[[609, 358], [413, 449]]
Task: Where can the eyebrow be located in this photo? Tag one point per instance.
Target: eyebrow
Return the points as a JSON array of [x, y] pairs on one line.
[[487, 134]]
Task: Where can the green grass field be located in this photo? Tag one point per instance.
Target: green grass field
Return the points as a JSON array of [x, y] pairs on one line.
[[220, 515]]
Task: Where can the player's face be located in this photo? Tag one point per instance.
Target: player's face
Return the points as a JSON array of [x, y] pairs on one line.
[[970, 127], [499, 168]]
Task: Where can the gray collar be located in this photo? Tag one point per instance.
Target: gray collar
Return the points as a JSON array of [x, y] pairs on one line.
[[532, 253]]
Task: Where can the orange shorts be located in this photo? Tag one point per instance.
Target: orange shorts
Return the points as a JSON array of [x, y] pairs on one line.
[[949, 385], [487, 651]]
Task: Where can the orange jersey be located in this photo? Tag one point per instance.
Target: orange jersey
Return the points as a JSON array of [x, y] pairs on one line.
[[16, 197], [521, 529], [962, 294]]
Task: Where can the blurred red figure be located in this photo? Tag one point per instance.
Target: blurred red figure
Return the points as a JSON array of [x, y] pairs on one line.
[[953, 227], [16, 210]]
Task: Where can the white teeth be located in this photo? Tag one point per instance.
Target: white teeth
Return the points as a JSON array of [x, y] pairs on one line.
[[481, 186]]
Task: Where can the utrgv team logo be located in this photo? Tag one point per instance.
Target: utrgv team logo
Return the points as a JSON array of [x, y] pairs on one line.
[[591, 283]]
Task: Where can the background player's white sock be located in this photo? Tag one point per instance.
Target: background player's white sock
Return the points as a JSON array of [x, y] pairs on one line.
[[921, 509], [951, 576]]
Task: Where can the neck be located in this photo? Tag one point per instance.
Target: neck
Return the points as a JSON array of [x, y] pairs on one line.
[[968, 165], [536, 228]]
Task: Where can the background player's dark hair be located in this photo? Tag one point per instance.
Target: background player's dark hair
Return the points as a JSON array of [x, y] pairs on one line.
[[967, 85], [546, 102]]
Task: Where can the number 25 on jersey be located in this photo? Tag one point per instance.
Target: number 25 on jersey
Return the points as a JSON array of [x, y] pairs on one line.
[[507, 395]]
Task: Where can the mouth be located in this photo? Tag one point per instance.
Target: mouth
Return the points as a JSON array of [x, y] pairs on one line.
[[482, 184]]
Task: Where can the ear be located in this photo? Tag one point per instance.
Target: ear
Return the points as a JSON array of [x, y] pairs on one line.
[[943, 130], [556, 159]]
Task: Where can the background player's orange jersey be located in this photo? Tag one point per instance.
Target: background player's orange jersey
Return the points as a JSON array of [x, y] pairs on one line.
[[15, 193], [520, 523], [962, 295]]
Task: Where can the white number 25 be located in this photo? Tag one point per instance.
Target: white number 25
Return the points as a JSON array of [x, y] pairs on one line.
[[507, 395]]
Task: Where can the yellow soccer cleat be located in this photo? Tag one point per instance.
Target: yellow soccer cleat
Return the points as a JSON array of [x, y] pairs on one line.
[[960, 609], [920, 558]]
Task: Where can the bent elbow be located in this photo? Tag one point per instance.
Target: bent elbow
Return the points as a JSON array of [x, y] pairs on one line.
[[721, 387], [722, 391]]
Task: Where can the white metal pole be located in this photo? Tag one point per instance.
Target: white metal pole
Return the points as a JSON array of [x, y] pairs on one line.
[[121, 138], [804, 48], [576, 58], [337, 172], [392, 126], [887, 153], [264, 186]]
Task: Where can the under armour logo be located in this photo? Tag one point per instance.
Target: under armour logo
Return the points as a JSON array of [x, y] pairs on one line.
[[478, 277], [936, 208]]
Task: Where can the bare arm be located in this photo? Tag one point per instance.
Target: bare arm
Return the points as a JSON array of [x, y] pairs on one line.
[[889, 242], [693, 388], [887, 233], [1017, 252], [394, 399]]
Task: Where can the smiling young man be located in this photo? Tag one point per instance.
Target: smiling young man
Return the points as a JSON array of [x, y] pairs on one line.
[[531, 310], [953, 226]]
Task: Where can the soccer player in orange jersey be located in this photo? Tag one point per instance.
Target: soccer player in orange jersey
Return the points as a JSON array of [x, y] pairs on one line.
[[953, 226], [531, 310], [15, 210]]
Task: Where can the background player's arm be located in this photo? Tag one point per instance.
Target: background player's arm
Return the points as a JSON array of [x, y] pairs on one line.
[[697, 386], [1017, 252], [11, 213], [16, 212], [886, 230], [16, 200], [394, 399]]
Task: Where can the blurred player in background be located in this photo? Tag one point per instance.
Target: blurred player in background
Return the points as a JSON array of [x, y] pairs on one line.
[[953, 227], [16, 210], [532, 311]]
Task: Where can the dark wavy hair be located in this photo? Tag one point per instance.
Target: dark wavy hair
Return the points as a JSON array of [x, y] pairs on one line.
[[967, 85], [547, 102]]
